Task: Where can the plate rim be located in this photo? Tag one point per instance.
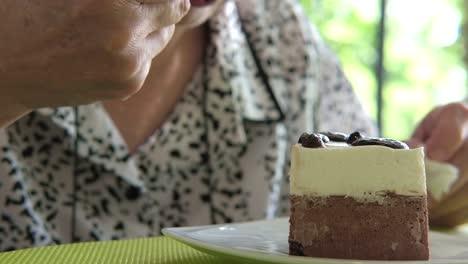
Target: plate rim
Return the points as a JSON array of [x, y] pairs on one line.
[[179, 234]]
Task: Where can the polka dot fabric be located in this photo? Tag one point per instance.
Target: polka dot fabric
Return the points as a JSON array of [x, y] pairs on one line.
[[222, 156]]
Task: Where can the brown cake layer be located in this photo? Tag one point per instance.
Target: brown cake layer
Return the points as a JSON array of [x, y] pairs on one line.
[[341, 227]]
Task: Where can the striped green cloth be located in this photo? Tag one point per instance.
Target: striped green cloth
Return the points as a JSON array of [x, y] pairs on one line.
[[146, 250]]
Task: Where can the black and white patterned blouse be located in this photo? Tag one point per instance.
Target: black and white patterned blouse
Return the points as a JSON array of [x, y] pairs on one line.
[[222, 156]]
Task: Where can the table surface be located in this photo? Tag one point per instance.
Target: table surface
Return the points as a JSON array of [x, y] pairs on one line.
[[145, 250], [162, 250]]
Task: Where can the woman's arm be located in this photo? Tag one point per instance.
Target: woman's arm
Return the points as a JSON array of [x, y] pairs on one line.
[[55, 53]]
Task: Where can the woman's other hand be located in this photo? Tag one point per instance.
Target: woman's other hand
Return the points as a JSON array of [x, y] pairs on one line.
[[444, 133]]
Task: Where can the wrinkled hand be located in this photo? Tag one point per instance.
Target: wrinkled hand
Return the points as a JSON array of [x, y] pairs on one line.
[[444, 133], [72, 52]]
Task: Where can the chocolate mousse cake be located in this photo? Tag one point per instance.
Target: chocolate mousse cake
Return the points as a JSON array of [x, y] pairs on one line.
[[354, 197]]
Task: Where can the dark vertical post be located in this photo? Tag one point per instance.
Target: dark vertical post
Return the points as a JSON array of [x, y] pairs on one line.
[[379, 67], [463, 5]]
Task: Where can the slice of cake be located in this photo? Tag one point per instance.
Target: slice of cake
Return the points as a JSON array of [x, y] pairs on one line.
[[357, 198]]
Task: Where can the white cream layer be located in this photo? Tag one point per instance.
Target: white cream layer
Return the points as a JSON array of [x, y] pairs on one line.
[[361, 172]]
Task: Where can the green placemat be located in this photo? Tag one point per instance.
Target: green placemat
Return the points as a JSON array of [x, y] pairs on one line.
[[162, 250], [146, 250]]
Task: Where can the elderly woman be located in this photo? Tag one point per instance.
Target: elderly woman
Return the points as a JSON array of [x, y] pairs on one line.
[[205, 140]]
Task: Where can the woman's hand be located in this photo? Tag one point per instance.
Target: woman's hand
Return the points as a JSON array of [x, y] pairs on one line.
[[444, 133], [72, 52]]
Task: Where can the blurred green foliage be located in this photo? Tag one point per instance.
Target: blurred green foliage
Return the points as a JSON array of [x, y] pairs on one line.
[[423, 55]]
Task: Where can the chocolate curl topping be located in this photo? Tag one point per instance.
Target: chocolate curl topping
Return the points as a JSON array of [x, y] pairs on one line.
[[391, 143], [313, 140], [335, 136], [353, 137]]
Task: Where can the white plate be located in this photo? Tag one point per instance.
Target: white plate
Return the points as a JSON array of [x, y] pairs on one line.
[[268, 241]]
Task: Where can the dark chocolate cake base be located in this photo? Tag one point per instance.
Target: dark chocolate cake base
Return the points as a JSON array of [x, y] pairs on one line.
[[341, 227]]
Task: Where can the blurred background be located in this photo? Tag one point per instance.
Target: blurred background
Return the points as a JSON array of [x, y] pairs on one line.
[[402, 57]]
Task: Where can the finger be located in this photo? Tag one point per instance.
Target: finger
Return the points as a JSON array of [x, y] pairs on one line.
[[422, 131], [158, 40], [162, 13], [450, 132], [414, 143], [447, 137], [121, 89]]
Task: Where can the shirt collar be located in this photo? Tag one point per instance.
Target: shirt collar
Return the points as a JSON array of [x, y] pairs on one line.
[[234, 82], [95, 140]]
